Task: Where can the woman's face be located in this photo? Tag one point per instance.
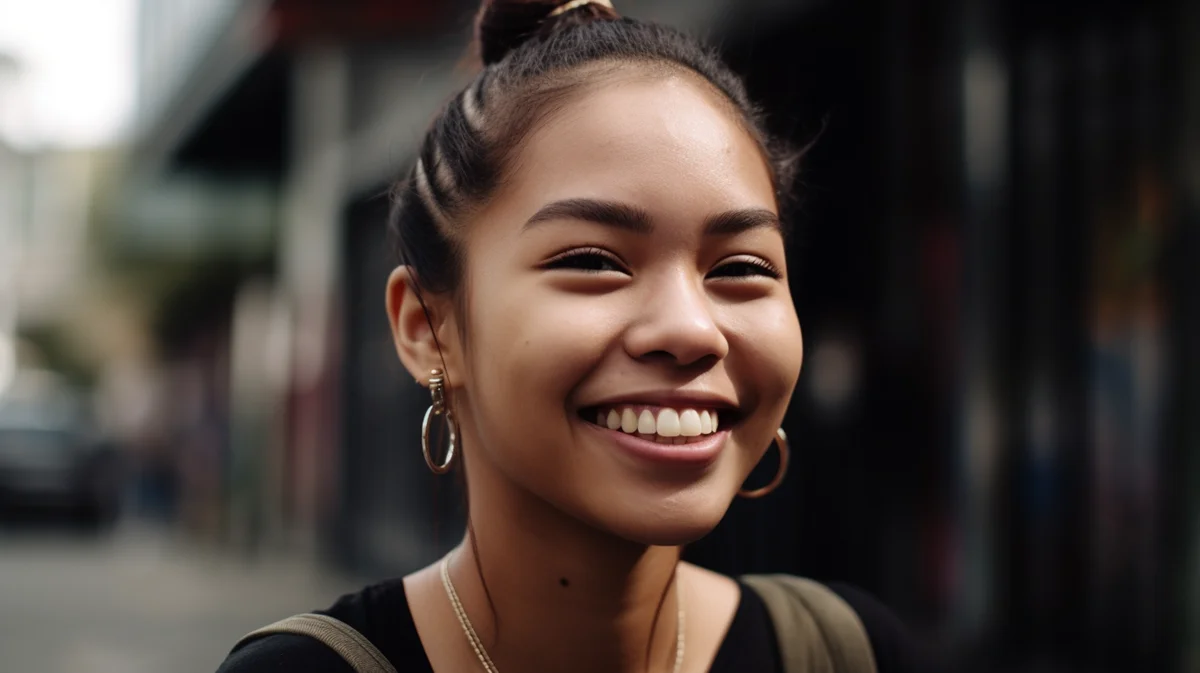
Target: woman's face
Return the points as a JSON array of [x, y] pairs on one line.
[[630, 273]]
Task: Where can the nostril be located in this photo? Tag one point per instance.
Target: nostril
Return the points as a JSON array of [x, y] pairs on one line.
[[699, 362]]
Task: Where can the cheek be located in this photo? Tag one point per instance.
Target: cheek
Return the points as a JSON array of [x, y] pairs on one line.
[[528, 351], [768, 343], [530, 348]]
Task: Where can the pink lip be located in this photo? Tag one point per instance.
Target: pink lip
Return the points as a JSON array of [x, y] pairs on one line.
[[697, 453]]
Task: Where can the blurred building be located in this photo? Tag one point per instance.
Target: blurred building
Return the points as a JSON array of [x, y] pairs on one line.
[[13, 218], [996, 274], [45, 216]]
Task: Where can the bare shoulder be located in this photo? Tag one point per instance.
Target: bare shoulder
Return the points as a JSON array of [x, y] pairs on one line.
[[421, 586], [437, 626], [429, 607], [710, 601], [710, 583], [708, 592]]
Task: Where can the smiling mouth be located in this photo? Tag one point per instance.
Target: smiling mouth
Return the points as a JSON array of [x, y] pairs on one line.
[[663, 425]]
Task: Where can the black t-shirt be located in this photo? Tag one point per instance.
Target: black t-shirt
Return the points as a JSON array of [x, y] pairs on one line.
[[381, 613]]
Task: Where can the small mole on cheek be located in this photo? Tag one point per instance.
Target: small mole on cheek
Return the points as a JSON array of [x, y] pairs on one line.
[[562, 581]]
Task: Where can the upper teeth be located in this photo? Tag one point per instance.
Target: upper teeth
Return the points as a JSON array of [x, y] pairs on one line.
[[666, 423]]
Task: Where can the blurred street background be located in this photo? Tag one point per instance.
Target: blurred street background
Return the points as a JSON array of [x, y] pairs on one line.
[[204, 426], [139, 601]]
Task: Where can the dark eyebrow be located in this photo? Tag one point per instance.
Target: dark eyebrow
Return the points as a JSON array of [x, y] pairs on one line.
[[632, 218], [734, 222], [610, 213]]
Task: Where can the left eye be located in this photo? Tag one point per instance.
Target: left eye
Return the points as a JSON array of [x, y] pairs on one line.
[[587, 260], [741, 268]]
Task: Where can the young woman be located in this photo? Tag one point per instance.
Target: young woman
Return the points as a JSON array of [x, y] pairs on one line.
[[593, 284]]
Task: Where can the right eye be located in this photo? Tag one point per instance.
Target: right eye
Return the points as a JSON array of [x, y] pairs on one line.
[[588, 260]]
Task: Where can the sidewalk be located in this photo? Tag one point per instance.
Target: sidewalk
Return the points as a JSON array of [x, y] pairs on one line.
[[140, 602]]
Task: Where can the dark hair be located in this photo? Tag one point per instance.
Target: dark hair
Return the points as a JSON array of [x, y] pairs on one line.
[[533, 63]]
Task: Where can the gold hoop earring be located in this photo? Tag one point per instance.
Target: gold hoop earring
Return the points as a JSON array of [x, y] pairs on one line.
[[438, 408], [781, 442]]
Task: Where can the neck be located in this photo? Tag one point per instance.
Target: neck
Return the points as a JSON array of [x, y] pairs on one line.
[[563, 595]]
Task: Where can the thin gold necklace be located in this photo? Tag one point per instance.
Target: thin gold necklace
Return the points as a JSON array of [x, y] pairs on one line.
[[481, 652]]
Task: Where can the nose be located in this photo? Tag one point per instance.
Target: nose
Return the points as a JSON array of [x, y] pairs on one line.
[[675, 322]]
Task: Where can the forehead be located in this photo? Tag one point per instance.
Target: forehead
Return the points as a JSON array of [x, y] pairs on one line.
[[665, 142]]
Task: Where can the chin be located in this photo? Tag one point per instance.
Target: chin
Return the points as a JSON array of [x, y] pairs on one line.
[[671, 537], [668, 526]]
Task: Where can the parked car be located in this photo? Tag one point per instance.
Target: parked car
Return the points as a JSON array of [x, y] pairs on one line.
[[52, 465]]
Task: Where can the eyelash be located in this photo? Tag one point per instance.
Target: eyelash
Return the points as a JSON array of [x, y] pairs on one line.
[[757, 267], [573, 259], [577, 260]]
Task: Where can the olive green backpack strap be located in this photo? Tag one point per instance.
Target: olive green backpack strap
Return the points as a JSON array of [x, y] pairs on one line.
[[337, 635], [817, 631]]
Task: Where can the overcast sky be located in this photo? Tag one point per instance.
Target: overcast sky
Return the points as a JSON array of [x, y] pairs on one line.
[[75, 83]]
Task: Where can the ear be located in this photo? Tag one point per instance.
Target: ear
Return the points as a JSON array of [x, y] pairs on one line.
[[413, 331]]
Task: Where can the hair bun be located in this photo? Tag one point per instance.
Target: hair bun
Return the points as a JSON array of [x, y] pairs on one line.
[[504, 25]]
